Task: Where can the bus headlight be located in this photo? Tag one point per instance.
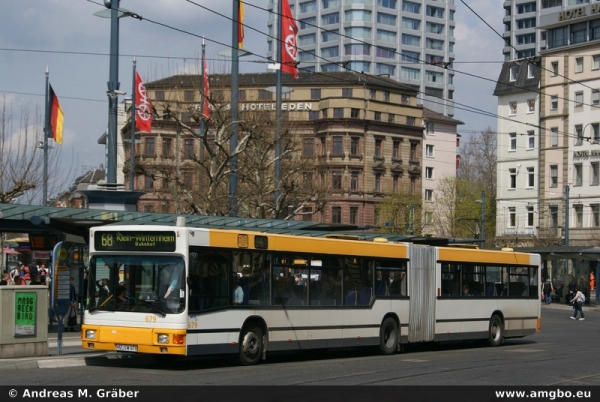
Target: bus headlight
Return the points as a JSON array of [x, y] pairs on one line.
[[90, 334], [163, 338]]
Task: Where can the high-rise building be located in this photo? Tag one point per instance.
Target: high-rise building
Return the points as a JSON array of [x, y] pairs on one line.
[[410, 41]]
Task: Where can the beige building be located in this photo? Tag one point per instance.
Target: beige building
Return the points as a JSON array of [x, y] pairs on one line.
[[364, 134]]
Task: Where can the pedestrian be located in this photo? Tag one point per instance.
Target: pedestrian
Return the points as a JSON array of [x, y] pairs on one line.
[[5, 279], [571, 286], [547, 291], [577, 304]]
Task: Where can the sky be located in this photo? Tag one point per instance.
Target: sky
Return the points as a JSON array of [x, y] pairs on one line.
[[65, 37]]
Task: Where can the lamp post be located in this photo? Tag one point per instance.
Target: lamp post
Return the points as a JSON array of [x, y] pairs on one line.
[[482, 231]]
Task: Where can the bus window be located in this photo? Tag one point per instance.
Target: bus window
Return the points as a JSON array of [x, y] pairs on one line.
[[518, 282], [473, 277]]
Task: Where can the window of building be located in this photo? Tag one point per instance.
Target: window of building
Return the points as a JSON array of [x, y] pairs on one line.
[[531, 105], [391, 117], [411, 40], [530, 216], [336, 180], [148, 182], [413, 185], [338, 145], [405, 99], [338, 112], [579, 65], [530, 140], [346, 92], [410, 120], [512, 217], [428, 218], [578, 134], [386, 19], [309, 39], [396, 150], [513, 141], [596, 62], [554, 136], [530, 177], [378, 150], [595, 173], [411, 7], [353, 215], [578, 99], [159, 95], [323, 148], [553, 175], [595, 215], [188, 180], [313, 115], [308, 6], [553, 216], [514, 71], [554, 102], [330, 35], [531, 68], [413, 152], [188, 96], [595, 97], [386, 36], [307, 214], [315, 93], [150, 149], [308, 147], [429, 150], [188, 148], [578, 35], [354, 146], [325, 113], [354, 175], [395, 184], [330, 52], [386, 96], [358, 15], [429, 195], [377, 116], [354, 113], [359, 32], [167, 148], [512, 173], [263, 94], [336, 214], [512, 108], [429, 173], [377, 188], [578, 215], [329, 19], [578, 179], [595, 133], [554, 67]]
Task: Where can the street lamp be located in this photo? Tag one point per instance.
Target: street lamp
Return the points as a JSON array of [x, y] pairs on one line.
[[113, 83], [482, 202]]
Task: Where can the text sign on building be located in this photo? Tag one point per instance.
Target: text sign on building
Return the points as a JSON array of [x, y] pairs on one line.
[[42, 241], [25, 313], [578, 12]]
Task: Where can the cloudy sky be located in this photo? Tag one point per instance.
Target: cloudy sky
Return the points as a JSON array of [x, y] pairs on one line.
[[65, 37]]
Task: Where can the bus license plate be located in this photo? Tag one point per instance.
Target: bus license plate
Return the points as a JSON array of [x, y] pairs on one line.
[[127, 348]]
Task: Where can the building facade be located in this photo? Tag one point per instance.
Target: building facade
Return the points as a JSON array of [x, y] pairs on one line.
[[567, 208], [364, 135], [410, 41], [518, 142]]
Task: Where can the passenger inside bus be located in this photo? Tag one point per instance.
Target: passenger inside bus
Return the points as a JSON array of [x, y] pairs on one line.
[[465, 291]]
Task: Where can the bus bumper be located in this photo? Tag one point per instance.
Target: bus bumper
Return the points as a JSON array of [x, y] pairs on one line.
[[134, 340]]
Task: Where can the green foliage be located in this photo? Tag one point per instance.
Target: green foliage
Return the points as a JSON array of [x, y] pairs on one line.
[[400, 214]]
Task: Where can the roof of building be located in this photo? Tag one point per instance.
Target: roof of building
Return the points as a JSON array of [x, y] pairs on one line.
[[269, 79], [522, 82], [431, 115]]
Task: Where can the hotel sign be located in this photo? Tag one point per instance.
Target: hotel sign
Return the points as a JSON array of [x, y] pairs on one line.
[[581, 154], [578, 12], [269, 106]]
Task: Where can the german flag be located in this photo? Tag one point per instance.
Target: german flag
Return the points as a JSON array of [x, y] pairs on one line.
[[56, 117]]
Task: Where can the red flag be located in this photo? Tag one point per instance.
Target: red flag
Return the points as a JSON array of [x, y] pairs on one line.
[[143, 106], [289, 42], [206, 88], [56, 116], [241, 25]]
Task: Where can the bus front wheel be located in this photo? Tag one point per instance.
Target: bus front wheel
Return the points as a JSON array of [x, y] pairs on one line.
[[496, 334], [251, 346], [388, 336]]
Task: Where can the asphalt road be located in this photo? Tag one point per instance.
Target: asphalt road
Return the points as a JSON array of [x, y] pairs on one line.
[[564, 353]]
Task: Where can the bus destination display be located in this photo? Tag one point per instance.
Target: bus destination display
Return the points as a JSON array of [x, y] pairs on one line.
[[134, 241]]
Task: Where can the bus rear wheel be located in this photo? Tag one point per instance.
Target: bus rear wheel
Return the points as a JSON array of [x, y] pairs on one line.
[[496, 333], [388, 336], [251, 346]]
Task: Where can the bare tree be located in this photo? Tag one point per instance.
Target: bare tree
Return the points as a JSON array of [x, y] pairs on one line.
[[22, 161]]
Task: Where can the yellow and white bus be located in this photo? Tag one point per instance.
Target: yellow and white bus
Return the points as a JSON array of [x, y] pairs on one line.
[[179, 291]]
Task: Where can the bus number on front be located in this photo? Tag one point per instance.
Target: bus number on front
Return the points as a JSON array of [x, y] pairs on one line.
[[150, 318], [107, 240]]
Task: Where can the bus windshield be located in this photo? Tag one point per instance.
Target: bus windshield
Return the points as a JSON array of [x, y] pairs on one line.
[[136, 283]]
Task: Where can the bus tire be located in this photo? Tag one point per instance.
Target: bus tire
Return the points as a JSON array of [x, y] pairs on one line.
[[251, 346], [496, 333], [388, 336]]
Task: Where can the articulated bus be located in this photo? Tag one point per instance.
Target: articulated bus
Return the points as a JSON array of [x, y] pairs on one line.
[[175, 291]]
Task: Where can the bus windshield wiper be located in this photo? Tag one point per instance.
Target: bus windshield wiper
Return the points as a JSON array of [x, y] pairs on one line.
[[153, 308]]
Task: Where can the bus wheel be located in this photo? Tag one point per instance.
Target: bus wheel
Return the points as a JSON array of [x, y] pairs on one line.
[[251, 346], [496, 334], [388, 336]]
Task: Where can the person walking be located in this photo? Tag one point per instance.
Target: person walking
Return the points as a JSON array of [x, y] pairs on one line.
[[547, 292], [577, 303]]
